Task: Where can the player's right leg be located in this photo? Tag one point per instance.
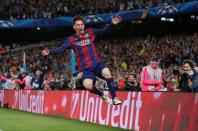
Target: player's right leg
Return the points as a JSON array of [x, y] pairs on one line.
[[88, 79]]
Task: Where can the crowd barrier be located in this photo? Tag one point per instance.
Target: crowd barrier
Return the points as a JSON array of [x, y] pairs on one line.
[[143, 111]]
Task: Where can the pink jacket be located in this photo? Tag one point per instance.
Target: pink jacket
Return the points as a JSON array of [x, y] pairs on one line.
[[2, 77], [147, 82]]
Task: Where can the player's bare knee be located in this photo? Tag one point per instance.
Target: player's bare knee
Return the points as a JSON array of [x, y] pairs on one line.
[[88, 84], [106, 73]]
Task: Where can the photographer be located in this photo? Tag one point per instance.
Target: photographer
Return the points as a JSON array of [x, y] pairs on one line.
[[64, 82], [189, 77], [132, 84]]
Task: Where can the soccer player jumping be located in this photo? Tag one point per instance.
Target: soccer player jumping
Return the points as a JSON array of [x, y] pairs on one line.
[[87, 59]]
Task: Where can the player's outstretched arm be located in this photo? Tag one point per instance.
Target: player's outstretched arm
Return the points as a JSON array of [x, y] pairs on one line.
[[59, 50], [114, 21]]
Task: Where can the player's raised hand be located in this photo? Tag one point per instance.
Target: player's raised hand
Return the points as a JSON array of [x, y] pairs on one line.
[[116, 20], [45, 52]]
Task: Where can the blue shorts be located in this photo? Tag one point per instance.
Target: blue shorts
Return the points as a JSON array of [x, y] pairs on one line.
[[94, 71]]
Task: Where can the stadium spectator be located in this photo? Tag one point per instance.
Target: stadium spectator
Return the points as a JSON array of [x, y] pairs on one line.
[[151, 76], [133, 51], [132, 83], [10, 82], [189, 78], [37, 81], [21, 81], [23, 9]]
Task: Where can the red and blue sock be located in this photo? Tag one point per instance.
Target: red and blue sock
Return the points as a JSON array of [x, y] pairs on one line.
[[112, 87], [95, 90]]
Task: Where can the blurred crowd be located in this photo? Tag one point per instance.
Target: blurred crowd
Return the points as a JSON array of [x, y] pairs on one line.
[[128, 56], [23, 9], [35, 66], [124, 56]]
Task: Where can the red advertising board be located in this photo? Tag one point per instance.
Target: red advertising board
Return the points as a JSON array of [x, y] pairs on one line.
[[144, 111]]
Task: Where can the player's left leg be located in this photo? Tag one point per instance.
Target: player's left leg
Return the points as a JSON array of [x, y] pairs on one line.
[[103, 72], [111, 84]]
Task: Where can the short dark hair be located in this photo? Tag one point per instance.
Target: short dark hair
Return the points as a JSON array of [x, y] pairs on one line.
[[77, 18], [190, 62], [132, 74], [155, 58]]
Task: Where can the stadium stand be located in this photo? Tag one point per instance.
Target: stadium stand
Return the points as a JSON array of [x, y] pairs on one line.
[[126, 56], [22, 9]]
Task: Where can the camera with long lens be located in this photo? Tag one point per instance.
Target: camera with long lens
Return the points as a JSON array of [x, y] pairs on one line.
[[132, 82], [185, 76], [55, 84]]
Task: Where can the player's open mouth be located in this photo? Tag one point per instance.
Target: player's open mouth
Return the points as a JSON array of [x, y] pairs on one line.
[[81, 31]]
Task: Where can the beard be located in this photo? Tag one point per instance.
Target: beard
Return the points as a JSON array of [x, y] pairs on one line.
[[80, 31]]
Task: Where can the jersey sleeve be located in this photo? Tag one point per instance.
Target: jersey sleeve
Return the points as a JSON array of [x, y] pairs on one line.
[[65, 46], [159, 86], [106, 29], [2, 77]]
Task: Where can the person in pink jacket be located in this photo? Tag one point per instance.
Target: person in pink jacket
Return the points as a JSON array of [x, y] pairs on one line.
[[151, 76]]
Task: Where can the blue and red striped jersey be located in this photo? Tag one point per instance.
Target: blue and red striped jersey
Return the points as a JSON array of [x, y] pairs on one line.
[[83, 46]]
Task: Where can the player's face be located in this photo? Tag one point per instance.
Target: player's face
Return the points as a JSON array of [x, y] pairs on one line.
[[131, 77], [79, 27], [154, 64]]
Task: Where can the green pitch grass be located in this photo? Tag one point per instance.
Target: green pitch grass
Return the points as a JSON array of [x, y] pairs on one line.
[[13, 120]]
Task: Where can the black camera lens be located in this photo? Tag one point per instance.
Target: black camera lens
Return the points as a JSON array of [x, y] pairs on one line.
[[132, 82]]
